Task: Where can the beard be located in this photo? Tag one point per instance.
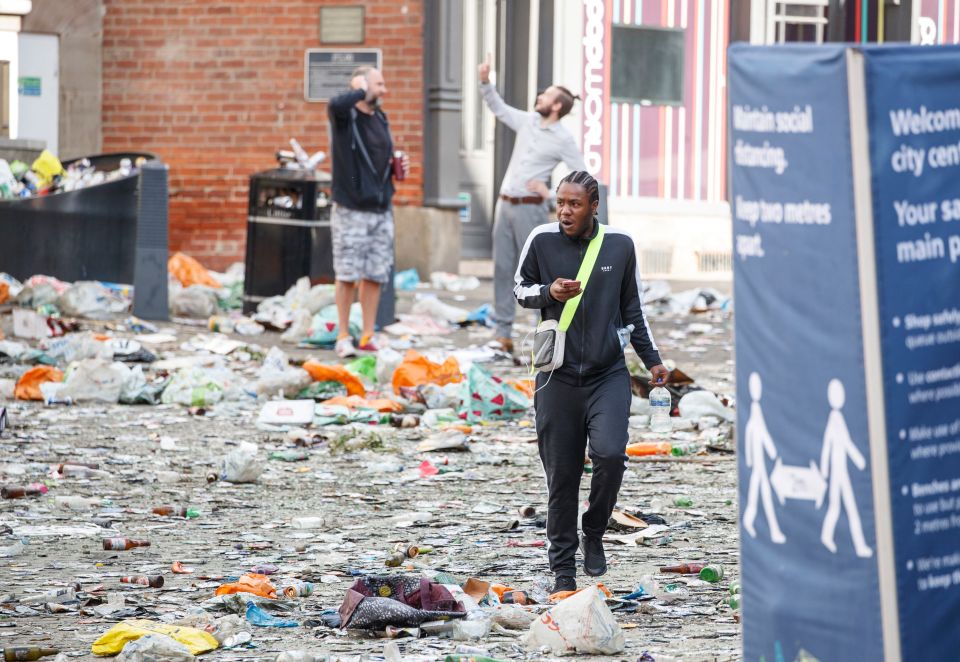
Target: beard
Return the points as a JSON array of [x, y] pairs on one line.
[[544, 113]]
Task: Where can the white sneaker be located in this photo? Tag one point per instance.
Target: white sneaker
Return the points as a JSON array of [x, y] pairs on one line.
[[344, 348]]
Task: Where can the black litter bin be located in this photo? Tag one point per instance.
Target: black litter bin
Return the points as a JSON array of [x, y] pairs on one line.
[[86, 234], [288, 236]]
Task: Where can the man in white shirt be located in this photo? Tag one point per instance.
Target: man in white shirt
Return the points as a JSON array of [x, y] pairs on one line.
[[541, 144]]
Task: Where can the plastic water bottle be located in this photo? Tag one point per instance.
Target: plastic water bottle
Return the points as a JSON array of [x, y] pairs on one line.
[[660, 410]]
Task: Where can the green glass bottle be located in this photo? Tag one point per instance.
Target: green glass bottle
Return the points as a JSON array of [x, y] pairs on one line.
[[712, 573]]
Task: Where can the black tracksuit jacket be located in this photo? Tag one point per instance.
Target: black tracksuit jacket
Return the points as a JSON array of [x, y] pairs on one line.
[[610, 301]]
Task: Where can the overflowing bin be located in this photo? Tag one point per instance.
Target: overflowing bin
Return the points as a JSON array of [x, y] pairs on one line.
[[289, 236], [84, 234]]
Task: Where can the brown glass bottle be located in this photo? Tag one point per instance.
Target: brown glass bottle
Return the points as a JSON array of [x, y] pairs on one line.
[[123, 543]]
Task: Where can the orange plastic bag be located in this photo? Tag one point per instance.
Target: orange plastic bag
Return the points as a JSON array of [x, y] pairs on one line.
[[4, 292], [643, 448], [563, 595], [250, 583], [28, 386], [525, 386], [190, 272], [417, 369], [335, 373], [356, 402]]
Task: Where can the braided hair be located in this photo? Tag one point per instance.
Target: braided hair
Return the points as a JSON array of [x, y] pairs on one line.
[[586, 180]]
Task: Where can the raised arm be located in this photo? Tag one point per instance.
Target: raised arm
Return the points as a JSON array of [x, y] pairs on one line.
[[339, 106], [512, 117]]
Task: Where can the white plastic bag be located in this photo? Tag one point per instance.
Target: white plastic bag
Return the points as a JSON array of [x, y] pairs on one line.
[[388, 360], [276, 376], [241, 465], [155, 648], [193, 387], [438, 310], [90, 299], [94, 379], [76, 347], [300, 327], [580, 624], [696, 404], [441, 397], [194, 301]]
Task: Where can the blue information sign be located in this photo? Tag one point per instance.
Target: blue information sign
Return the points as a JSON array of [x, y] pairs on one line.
[[807, 526], [914, 122]]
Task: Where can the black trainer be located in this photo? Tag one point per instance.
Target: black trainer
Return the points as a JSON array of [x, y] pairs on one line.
[[564, 583], [594, 560]]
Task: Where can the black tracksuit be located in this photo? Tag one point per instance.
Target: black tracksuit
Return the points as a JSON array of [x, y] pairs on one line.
[[589, 395]]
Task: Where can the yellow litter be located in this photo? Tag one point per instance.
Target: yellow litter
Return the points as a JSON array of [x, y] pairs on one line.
[[114, 639]]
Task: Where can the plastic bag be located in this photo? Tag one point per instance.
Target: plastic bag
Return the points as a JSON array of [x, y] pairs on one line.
[[250, 583], [442, 280], [288, 382], [441, 397], [696, 404], [241, 465], [137, 391], [336, 373], [485, 397], [406, 280], [113, 640], [438, 310], [195, 301], [325, 327], [92, 300], [365, 366], [387, 362], [155, 648], [190, 272], [299, 329], [47, 166], [194, 387], [28, 386], [416, 369], [356, 402], [258, 616], [94, 380], [580, 624], [76, 347]]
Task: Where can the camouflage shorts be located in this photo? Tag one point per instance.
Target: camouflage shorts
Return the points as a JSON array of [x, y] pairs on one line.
[[362, 244]]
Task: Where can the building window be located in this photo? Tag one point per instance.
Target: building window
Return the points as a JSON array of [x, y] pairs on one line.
[[803, 20], [647, 65]]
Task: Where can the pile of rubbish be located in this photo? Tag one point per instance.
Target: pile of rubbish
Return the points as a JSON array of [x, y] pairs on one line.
[[277, 502], [46, 176]]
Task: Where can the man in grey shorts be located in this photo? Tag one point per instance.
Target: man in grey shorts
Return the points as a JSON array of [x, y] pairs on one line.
[[362, 217], [541, 144]]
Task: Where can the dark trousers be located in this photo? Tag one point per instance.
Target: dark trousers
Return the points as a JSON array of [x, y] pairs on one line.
[[567, 416]]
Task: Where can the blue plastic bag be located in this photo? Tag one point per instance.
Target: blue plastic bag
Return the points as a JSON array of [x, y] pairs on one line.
[[258, 616]]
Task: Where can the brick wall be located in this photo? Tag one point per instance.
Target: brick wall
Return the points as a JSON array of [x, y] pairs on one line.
[[215, 88]]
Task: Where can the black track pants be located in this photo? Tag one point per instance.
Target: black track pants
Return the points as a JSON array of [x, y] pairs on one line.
[[566, 417]]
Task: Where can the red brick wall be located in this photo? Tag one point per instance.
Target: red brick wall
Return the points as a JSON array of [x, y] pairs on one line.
[[215, 88]]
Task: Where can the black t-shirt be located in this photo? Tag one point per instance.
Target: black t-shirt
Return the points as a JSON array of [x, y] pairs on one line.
[[376, 138]]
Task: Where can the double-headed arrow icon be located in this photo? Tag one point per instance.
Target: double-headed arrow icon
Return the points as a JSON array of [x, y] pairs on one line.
[[791, 482]]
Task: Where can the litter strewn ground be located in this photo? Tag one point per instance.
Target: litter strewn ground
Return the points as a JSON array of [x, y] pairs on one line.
[[328, 493]]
